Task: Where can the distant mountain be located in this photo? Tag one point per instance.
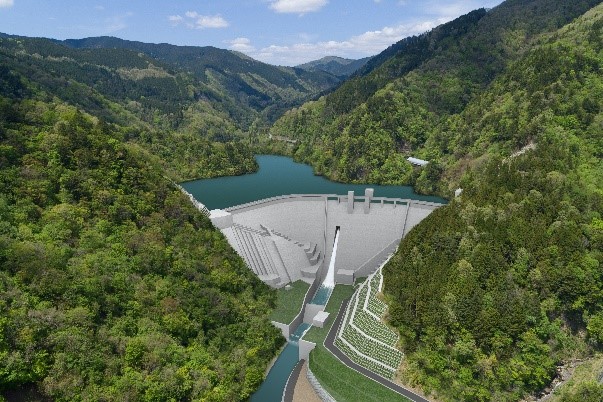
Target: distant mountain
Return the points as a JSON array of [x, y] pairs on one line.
[[337, 66], [170, 78]]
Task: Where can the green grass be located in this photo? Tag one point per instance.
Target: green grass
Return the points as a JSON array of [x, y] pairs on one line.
[[289, 302], [343, 383]]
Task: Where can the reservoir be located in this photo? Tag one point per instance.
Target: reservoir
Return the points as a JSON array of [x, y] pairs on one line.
[[279, 175]]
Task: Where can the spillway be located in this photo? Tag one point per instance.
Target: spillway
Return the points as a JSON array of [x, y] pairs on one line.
[[321, 297], [330, 278]]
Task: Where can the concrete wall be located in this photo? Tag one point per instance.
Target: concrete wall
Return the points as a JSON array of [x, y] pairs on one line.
[[305, 348], [283, 327], [363, 235], [311, 310], [418, 212], [369, 230], [292, 256], [300, 219], [375, 262]]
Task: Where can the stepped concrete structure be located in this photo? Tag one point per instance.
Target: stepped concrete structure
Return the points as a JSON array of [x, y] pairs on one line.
[[289, 238]]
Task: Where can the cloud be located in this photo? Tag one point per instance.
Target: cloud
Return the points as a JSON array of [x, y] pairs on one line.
[[207, 21], [241, 45], [194, 20], [175, 19], [117, 22], [99, 8], [6, 3], [297, 6], [366, 44]]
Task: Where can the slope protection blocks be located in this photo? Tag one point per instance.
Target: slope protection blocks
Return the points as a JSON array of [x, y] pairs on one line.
[[363, 337]]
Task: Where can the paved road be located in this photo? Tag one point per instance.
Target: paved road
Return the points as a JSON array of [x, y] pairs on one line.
[[330, 345], [293, 378]]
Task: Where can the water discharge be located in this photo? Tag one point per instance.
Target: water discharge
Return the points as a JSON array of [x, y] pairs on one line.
[[321, 297], [329, 281], [273, 386]]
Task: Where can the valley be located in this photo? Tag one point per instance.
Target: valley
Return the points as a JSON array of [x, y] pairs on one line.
[[114, 287]]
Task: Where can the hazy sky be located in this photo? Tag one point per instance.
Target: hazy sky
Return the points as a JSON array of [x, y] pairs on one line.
[[284, 32]]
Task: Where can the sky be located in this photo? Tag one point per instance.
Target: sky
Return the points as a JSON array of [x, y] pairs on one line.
[[280, 32]]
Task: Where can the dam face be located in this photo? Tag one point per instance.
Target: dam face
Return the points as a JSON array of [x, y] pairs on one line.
[[288, 238]]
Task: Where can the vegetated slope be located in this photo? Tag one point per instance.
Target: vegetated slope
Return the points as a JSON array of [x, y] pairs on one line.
[[337, 66], [153, 104], [112, 286], [241, 86], [494, 290], [365, 129]]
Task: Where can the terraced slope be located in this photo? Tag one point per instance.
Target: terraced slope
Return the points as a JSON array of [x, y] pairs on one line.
[[364, 337]]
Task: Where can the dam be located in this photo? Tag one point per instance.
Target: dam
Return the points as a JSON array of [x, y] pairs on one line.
[[320, 239], [284, 239]]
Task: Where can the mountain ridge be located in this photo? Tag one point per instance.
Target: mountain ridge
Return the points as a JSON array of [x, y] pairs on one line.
[[335, 65], [372, 122]]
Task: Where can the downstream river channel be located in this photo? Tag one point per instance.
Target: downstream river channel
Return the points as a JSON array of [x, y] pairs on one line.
[[279, 175]]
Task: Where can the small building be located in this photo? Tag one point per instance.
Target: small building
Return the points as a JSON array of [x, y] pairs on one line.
[[417, 161]]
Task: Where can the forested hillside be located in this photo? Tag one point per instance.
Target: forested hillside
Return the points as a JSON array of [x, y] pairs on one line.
[[113, 287], [190, 106], [493, 291], [405, 99], [247, 90], [153, 105]]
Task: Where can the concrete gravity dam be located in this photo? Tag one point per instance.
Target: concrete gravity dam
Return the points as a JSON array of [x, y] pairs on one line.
[[288, 238]]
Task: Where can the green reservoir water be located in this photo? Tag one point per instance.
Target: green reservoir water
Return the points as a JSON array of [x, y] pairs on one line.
[[279, 175]]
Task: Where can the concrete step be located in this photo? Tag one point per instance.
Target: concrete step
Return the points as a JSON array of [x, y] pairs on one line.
[[271, 279], [309, 272], [311, 250]]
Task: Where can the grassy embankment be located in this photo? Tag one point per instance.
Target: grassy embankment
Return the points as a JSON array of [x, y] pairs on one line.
[[289, 302], [343, 383]]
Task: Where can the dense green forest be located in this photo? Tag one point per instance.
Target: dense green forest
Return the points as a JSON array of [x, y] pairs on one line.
[[493, 291], [191, 107], [152, 107], [405, 99], [248, 90], [113, 287]]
